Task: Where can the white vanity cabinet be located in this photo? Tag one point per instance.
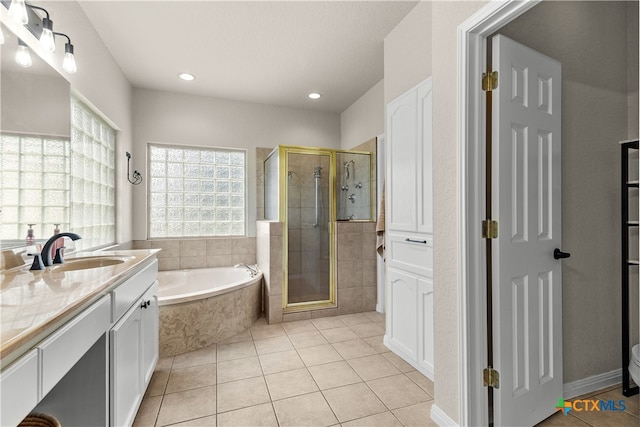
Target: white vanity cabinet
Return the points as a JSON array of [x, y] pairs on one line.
[[134, 353], [409, 227]]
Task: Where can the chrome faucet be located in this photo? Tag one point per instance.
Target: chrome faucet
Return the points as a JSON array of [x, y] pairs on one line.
[[252, 270], [46, 250]]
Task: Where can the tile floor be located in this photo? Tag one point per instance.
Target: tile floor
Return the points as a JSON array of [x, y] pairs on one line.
[[322, 372]]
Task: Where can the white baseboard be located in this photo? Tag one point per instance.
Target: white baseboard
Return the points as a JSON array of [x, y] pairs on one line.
[[440, 417], [591, 384]]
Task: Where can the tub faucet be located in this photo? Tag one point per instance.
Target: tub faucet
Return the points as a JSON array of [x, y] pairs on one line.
[[252, 270], [46, 250]]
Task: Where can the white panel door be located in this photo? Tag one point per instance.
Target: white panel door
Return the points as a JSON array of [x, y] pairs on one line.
[[402, 325], [401, 197], [527, 201], [425, 156]]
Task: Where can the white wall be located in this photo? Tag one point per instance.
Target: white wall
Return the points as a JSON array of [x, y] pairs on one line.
[[181, 119], [364, 119], [98, 80]]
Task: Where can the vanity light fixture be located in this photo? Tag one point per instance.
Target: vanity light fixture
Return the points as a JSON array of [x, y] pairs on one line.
[[187, 76], [46, 36], [23, 57], [315, 95], [18, 11], [69, 61]]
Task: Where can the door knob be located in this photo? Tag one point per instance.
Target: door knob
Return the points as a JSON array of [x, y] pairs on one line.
[[558, 254]]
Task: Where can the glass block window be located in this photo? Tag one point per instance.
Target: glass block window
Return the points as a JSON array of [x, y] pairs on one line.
[[35, 185], [92, 177], [196, 191]]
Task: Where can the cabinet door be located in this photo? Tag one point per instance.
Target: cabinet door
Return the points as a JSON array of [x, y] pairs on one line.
[[401, 191], [150, 332], [19, 389], [425, 156], [402, 306], [425, 326], [126, 370]]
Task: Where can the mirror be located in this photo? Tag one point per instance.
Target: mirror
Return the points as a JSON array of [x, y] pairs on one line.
[[35, 125]]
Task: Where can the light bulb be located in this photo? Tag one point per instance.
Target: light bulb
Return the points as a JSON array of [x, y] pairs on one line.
[[46, 38], [23, 57], [69, 61], [18, 11]]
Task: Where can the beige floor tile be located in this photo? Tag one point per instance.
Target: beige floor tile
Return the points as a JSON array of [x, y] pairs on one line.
[[367, 330], [190, 378], [398, 362], [319, 354], [148, 411], [267, 331], [158, 383], [354, 348], [354, 319], [242, 394], [308, 339], [375, 316], [560, 420], [384, 419], [239, 369], [198, 422], [323, 323], [373, 367], [423, 382], [632, 403], [353, 401], [332, 375], [242, 336], [273, 363], [187, 405], [273, 344], [418, 415], [299, 327], [236, 350], [398, 391], [255, 416], [607, 418], [306, 410], [339, 334], [198, 357], [290, 383], [165, 363], [377, 343]]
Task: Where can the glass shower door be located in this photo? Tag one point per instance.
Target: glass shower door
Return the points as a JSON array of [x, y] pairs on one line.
[[308, 227]]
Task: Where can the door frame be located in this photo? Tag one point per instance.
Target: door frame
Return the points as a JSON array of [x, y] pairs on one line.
[[472, 36]]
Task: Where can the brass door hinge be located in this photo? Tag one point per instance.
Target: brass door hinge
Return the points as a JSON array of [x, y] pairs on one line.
[[489, 81], [489, 229], [491, 378]]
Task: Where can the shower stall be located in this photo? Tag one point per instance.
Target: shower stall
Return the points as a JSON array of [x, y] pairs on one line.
[[308, 190]]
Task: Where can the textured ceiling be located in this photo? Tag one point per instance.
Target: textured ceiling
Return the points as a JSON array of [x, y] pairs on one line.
[[263, 51]]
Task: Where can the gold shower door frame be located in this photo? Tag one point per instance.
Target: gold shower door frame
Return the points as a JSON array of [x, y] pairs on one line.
[[283, 152]]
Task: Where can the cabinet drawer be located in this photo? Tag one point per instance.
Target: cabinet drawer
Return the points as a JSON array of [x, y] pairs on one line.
[[67, 345], [132, 289], [19, 389], [411, 253]]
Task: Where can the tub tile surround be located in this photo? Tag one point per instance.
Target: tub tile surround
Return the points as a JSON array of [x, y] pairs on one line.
[[290, 386], [178, 254]]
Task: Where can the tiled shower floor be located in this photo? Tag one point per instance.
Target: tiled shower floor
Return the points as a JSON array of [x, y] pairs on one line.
[[320, 372]]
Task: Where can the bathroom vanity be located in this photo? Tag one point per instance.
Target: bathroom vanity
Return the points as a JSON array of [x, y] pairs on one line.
[[79, 340]]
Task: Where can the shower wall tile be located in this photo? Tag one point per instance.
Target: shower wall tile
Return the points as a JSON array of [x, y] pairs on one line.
[[269, 258], [369, 298], [350, 274], [275, 228], [350, 300], [243, 259], [219, 247], [219, 261], [141, 244], [349, 246], [349, 227], [170, 248], [294, 240], [193, 262], [275, 309], [307, 218], [244, 246], [369, 273], [293, 215], [309, 239]]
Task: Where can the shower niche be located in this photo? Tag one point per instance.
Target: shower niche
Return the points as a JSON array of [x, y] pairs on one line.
[[308, 190]]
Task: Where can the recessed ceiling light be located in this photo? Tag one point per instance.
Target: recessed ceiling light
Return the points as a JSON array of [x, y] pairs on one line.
[[186, 76], [314, 95]]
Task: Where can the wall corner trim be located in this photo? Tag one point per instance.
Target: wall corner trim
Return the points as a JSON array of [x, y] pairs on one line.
[[440, 417], [591, 384]]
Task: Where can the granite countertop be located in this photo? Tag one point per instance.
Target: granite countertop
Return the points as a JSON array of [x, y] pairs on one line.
[[33, 304]]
